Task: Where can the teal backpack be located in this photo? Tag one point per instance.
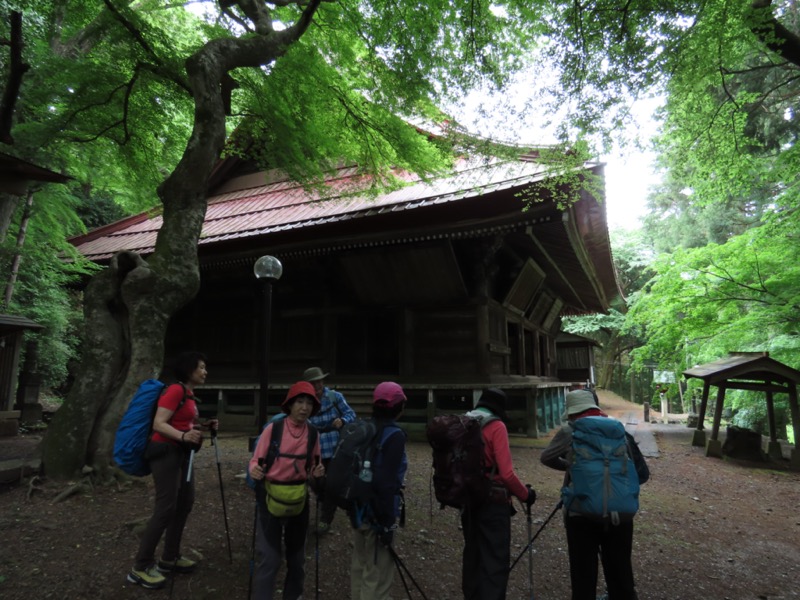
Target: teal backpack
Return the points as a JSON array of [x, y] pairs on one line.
[[603, 482]]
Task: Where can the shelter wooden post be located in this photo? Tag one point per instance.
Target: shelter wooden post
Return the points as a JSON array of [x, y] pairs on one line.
[[773, 446], [699, 437], [531, 413], [714, 446], [795, 411], [431, 406]]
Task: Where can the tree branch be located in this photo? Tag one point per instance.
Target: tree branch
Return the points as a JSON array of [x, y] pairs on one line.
[[158, 66], [773, 34], [123, 120]]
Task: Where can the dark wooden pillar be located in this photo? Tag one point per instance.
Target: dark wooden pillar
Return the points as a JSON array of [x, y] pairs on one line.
[[714, 447], [532, 412], [699, 436], [795, 411], [774, 446]]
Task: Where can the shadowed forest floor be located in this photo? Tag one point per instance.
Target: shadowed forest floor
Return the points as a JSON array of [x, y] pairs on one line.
[[707, 529]]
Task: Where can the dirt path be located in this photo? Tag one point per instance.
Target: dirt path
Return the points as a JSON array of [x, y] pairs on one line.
[[708, 529]]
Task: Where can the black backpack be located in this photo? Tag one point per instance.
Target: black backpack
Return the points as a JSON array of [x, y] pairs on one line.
[[348, 480], [461, 478]]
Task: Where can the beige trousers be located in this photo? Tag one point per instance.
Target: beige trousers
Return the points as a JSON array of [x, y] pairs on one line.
[[371, 568]]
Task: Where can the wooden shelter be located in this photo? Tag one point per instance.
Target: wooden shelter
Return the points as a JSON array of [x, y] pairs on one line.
[[12, 328], [754, 371], [446, 286], [17, 174]]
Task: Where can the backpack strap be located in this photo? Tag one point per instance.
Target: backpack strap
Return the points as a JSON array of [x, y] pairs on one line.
[[381, 441], [484, 420], [183, 399], [274, 448], [155, 407], [312, 441], [335, 401]]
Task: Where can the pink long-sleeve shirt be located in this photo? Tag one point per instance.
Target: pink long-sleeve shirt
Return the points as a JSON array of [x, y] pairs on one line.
[[293, 441]]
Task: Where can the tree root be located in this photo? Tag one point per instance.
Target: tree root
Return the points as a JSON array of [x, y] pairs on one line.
[[75, 488], [32, 487]]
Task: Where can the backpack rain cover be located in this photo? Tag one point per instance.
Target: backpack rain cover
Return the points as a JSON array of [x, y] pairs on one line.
[[133, 432], [460, 477]]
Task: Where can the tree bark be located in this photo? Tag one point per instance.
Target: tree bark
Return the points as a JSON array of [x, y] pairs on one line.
[[8, 205], [17, 257], [128, 306]]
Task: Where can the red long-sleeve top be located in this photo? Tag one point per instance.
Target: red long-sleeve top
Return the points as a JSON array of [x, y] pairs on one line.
[[498, 452]]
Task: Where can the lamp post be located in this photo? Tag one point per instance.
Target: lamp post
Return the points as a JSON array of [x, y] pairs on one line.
[[267, 270]]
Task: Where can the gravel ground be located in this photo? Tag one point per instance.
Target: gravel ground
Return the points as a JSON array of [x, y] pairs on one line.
[[707, 528]]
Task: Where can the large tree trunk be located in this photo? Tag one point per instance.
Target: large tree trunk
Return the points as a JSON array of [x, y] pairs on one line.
[[128, 306], [608, 358], [127, 310]]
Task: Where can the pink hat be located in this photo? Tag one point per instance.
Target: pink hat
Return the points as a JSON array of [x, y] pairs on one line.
[[388, 394], [301, 388]]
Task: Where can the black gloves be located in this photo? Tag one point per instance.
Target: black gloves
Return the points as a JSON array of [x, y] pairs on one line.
[[531, 497]]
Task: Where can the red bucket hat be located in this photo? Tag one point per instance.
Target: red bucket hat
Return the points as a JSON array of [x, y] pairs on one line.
[[301, 388]]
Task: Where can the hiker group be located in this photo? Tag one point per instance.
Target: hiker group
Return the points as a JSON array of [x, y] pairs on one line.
[[318, 444]]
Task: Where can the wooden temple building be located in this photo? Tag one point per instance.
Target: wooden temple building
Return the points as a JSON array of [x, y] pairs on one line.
[[447, 287]]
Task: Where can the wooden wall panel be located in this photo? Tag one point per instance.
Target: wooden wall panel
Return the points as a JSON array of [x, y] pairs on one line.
[[445, 343]]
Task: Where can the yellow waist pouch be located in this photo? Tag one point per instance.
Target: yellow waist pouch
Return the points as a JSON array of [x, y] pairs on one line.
[[286, 499]]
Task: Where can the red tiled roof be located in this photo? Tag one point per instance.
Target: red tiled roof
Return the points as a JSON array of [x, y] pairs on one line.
[[259, 209]]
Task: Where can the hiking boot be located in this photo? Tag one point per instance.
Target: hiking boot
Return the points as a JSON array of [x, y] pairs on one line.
[[148, 578], [181, 565], [323, 528]]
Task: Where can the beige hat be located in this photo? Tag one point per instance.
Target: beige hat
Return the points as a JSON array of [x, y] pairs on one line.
[[314, 374], [577, 402]]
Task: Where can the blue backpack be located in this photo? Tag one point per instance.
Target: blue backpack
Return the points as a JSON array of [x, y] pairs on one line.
[[603, 482], [134, 430]]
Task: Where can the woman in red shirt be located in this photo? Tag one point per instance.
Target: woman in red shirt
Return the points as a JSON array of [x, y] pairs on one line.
[[176, 432], [487, 528]]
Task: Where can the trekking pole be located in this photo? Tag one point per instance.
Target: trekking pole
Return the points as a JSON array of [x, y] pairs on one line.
[[253, 542], [191, 463], [530, 543], [222, 492], [253, 554], [403, 579], [401, 566], [530, 552], [316, 552]]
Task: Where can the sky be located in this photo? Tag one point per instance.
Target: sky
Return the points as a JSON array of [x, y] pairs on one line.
[[629, 171], [628, 179]]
